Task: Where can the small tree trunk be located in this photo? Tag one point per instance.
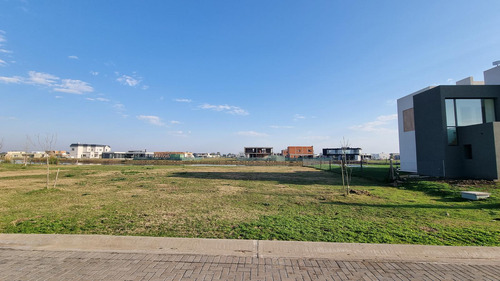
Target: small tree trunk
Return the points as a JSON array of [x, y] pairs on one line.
[[342, 169], [57, 175], [48, 173]]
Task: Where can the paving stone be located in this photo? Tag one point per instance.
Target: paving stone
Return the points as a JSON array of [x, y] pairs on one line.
[[16, 264]]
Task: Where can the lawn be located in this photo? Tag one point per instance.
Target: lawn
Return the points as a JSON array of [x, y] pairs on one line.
[[277, 202]]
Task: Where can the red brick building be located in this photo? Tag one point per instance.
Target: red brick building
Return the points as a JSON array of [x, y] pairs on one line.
[[298, 152]]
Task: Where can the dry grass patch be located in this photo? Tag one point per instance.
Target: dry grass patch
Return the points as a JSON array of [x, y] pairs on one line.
[[286, 203]]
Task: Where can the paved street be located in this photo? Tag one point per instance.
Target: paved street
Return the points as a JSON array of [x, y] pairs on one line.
[[66, 257], [68, 265]]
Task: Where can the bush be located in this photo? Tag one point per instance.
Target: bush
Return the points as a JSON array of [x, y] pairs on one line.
[[53, 160]]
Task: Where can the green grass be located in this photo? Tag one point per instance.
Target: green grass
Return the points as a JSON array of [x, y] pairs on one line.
[[281, 203], [378, 173]]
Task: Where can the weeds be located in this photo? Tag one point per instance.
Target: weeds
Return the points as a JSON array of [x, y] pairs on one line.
[[282, 203]]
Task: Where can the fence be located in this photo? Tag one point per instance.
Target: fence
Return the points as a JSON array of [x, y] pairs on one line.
[[373, 170]]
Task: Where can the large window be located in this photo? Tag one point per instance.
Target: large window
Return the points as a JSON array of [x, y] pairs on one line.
[[466, 112]]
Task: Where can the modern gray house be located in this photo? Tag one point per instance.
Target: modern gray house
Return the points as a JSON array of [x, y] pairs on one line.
[[452, 131], [352, 153]]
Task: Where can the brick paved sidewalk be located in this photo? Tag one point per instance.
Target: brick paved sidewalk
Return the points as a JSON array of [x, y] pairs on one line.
[[80, 265]]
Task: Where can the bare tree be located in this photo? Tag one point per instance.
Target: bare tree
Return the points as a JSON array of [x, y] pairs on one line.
[[46, 143], [26, 148], [344, 167]]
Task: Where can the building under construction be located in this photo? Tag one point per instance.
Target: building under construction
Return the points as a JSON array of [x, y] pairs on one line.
[[258, 152]]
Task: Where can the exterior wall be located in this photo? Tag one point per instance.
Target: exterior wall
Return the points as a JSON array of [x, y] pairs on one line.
[[380, 156], [352, 153], [14, 154], [299, 151], [483, 139], [492, 76], [88, 150], [407, 141], [469, 81], [258, 152], [430, 132], [434, 156]]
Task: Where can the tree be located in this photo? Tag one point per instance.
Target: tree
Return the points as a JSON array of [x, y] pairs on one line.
[[46, 144], [26, 148], [344, 166]]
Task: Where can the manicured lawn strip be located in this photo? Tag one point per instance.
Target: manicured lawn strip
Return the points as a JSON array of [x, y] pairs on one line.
[[283, 203]]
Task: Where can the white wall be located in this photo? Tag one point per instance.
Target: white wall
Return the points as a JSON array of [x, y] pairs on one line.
[[492, 76], [88, 151], [407, 143]]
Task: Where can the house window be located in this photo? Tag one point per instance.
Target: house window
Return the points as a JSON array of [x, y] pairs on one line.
[[408, 120], [466, 112]]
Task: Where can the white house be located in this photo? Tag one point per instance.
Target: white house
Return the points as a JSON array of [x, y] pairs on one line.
[[381, 156], [92, 151]]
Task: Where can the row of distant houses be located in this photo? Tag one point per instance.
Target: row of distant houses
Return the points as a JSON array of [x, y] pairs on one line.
[[34, 154], [94, 151], [100, 151]]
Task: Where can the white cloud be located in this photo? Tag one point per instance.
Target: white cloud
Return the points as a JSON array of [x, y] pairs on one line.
[[41, 78], [95, 73], [180, 134], [58, 97], [2, 36], [145, 87], [57, 84], [387, 117], [225, 108], [73, 57], [281, 127], [297, 117], [183, 100], [73, 87], [154, 120], [98, 99], [251, 134], [175, 122], [5, 51], [119, 106], [2, 63], [120, 109], [379, 125], [128, 80], [14, 79]]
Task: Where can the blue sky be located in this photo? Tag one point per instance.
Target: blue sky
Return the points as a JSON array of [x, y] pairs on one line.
[[215, 76]]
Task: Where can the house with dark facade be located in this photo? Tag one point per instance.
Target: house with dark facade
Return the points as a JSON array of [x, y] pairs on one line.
[[352, 153], [131, 154], [452, 131]]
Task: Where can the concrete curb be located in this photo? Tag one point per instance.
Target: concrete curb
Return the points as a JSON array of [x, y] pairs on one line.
[[252, 248]]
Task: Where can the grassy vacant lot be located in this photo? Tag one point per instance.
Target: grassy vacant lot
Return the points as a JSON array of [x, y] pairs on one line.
[[284, 203]]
